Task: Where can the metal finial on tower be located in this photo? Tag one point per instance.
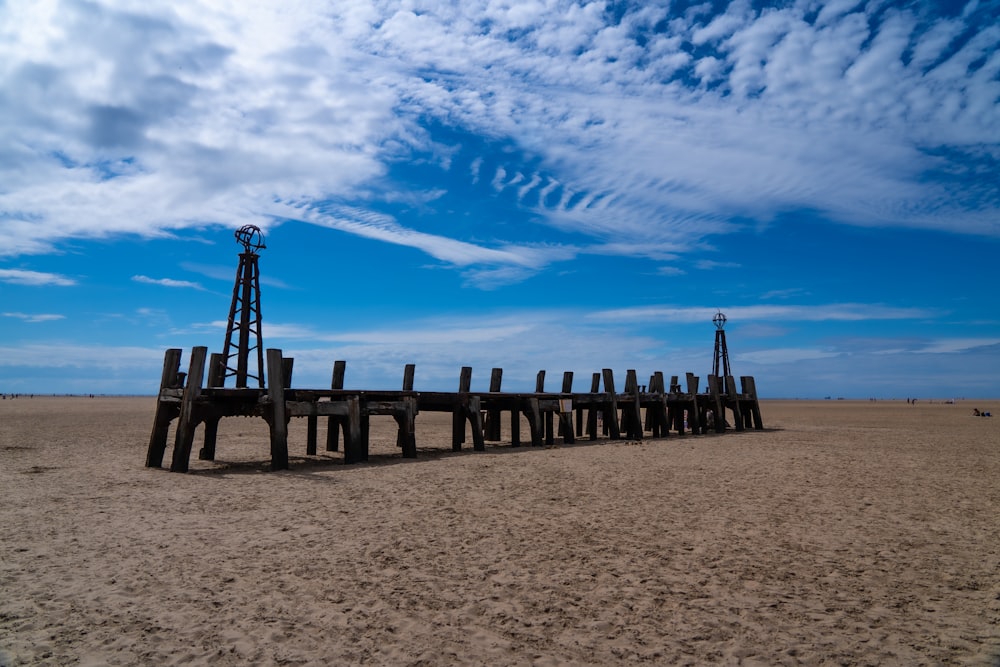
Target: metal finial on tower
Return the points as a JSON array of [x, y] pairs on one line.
[[251, 238], [719, 320], [720, 365], [244, 313]]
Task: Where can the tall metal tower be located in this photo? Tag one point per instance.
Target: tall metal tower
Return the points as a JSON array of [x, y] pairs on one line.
[[244, 313], [721, 361]]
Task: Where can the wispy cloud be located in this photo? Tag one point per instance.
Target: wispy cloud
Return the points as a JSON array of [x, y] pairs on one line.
[[34, 278], [35, 317], [846, 312], [167, 282]]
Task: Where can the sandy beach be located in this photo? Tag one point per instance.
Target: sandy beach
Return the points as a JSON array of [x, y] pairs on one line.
[[845, 533]]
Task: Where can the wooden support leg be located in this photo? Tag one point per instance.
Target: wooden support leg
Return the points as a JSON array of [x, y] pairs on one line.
[[566, 426], [492, 426], [457, 428], [549, 435], [188, 421], [279, 419], [515, 428], [364, 445], [535, 422], [165, 412], [333, 433], [675, 416], [611, 414], [207, 452], [407, 429], [353, 452], [311, 428], [476, 421]]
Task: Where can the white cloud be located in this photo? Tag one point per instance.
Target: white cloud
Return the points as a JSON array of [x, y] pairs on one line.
[[145, 119], [167, 282], [953, 345], [34, 278], [35, 317], [845, 312]]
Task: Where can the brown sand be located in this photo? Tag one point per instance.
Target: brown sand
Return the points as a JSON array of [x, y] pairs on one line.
[[847, 533]]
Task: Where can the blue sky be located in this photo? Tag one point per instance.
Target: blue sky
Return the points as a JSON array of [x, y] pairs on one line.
[[531, 185]]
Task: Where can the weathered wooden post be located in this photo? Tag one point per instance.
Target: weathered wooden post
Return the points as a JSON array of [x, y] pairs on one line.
[[657, 413], [611, 420], [492, 426], [694, 413], [566, 408], [467, 407], [189, 417], [333, 421], [354, 452], [167, 408], [278, 420], [733, 401], [211, 416], [749, 386], [716, 405], [546, 415], [632, 410], [592, 412]]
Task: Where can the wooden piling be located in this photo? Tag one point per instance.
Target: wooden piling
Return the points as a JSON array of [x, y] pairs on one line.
[[333, 422], [167, 408], [188, 419], [611, 414], [492, 426], [278, 420]]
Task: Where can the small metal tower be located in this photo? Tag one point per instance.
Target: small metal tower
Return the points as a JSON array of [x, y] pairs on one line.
[[244, 313], [721, 361]]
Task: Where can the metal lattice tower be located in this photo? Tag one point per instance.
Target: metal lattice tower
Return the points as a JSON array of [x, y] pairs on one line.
[[721, 361], [244, 313]]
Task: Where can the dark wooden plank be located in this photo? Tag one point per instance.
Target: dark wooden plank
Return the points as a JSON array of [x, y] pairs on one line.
[[278, 421], [353, 451], [333, 423], [188, 419], [492, 426], [595, 386], [733, 402], [611, 414], [211, 424], [311, 428], [216, 370], [749, 386], [166, 410], [633, 409]]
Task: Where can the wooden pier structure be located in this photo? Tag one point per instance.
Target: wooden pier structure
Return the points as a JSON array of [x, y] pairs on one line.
[[194, 400], [656, 409]]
